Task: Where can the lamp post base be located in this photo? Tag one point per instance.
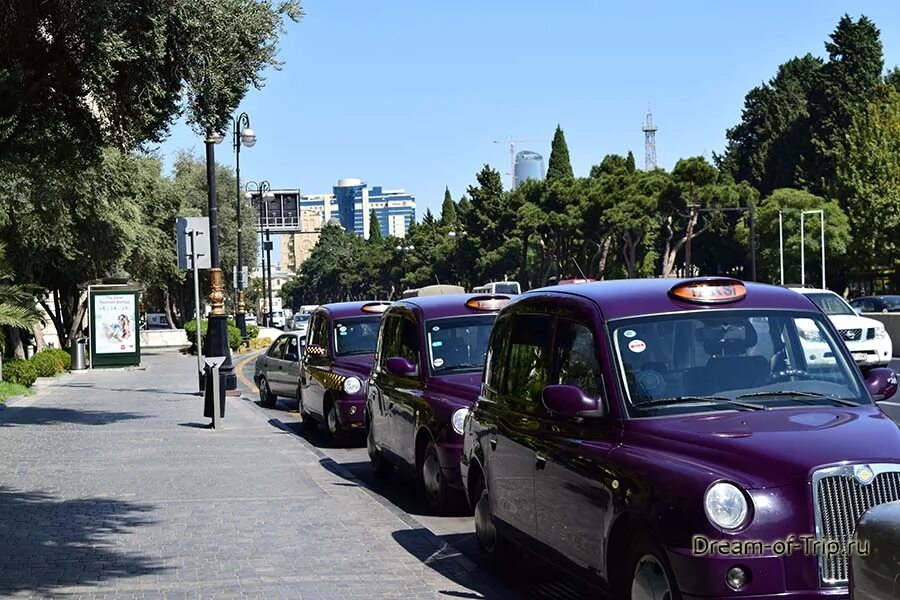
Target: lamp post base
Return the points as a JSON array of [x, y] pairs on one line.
[[217, 345], [240, 320]]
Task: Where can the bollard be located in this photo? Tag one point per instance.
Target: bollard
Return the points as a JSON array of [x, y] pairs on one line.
[[29, 351], [214, 390]]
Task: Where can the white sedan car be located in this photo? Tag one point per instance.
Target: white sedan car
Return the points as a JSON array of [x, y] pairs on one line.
[[866, 338]]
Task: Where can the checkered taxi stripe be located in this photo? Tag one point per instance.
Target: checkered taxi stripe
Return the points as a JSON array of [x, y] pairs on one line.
[[333, 381]]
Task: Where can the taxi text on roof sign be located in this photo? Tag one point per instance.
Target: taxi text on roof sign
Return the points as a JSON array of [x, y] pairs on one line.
[[713, 290], [487, 302]]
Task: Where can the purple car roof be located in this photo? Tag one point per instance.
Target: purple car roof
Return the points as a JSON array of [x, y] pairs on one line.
[[343, 310], [623, 298], [448, 305]]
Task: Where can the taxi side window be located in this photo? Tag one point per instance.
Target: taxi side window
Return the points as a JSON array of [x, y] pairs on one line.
[[528, 368], [319, 331], [390, 339], [495, 361], [277, 349], [576, 357], [409, 340]]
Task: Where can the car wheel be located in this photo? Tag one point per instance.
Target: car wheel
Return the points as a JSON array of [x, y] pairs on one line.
[[379, 463], [493, 547], [334, 424], [648, 574], [266, 397], [432, 482]]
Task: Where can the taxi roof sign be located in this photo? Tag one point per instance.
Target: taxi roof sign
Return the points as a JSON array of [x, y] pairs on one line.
[[375, 307], [493, 302], [709, 290]]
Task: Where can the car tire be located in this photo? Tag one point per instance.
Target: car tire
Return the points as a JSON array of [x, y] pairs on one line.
[[333, 423], [493, 547], [437, 492], [380, 465], [647, 574], [266, 397]]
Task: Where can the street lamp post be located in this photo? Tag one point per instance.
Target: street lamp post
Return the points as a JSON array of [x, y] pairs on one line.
[[821, 214], [265, 191], [217, 328], [241, 135]]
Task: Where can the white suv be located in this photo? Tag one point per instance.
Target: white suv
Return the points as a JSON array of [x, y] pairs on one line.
[[866, 338]]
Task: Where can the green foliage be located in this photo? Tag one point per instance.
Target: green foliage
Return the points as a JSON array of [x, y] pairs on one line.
[[559, 166], [252, 331], [63, 359], [234, 334], [448, 209], [47, 364], [19, 372], [190, 330], [374, 228], [17, 303], [11, 390]]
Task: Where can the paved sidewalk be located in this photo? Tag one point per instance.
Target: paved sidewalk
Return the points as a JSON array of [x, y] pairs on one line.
[[110, 489]]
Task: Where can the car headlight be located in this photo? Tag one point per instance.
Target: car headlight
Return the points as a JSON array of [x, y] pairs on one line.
[[810, 335], [880, 333], [352, 385], [458, 420], [726, 506]]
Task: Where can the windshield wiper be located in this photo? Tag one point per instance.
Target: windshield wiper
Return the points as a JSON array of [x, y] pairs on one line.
[[462, 366], [705, 399], [799, 394]]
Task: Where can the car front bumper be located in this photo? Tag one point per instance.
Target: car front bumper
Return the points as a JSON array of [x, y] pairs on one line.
[[352, 411], [871, 353]]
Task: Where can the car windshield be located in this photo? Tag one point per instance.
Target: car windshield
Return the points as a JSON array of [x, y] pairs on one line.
[[458, 344], [831, 304], [301, 318], [732, 360], [356, 335]]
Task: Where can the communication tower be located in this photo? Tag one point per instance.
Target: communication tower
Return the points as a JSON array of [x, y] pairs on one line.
[[649, 130]]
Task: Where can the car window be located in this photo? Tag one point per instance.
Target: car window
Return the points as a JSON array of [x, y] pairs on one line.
[[495, 361], [892, 303], [356, 335], [831, 304], [276, 350], [318, 334], [292, 347], [729, 354], [389, 342], [527, 370], [458, 344], [576, 357]]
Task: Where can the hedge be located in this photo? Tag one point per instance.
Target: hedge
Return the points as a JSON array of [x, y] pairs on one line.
[[21, 372], [46, 364], [190, 329]]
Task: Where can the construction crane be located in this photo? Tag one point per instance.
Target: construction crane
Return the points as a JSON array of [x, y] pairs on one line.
[[512, 156]]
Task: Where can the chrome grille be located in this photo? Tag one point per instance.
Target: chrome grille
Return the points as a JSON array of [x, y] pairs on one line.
[[840, 500], [851, 335]]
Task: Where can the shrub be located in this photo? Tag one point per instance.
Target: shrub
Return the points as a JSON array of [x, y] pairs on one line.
[[253, 331], [46, 364], [190, 329], [234, 337], [63, 358], [21, 372], [260, 343]]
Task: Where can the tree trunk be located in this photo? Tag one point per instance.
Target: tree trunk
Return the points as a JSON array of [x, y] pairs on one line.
[[604, 257], [15, 337], [167, 302], [39, 343]]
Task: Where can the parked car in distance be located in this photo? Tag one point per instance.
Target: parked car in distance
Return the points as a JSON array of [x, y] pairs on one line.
[[499, 287], [427, 374], [876, 304], [300, 322], [866, 338], [339, 355], [250, 319], [659, 438], [875, 573], [276, 319], [278, 368], [157, 321]]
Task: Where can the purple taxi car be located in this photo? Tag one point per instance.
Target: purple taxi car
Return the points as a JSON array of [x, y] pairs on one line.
[[670, 439], [340, 345], [427, 374]]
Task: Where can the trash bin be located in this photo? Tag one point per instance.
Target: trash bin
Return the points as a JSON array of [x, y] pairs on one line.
[[29, 351], [208, 393], [78, 353]]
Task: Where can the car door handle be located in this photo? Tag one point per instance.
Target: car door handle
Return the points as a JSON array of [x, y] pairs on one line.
[[540, 461], [493, 443]]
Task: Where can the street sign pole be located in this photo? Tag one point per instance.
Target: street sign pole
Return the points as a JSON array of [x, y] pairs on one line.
[[193, 233]]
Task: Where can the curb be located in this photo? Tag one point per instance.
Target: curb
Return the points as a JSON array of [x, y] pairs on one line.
[[443, 550]]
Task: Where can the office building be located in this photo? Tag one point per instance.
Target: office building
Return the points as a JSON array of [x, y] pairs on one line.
[[529, 165], [394, 209]]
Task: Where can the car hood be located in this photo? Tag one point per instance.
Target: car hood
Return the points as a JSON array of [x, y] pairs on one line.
[[774, 447], [853, 322], [359, 364], [459, 386]]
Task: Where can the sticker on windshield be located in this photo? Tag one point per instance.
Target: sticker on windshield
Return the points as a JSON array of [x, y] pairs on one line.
[[436, 328], [437, 344], [637, 346], [629, 333], [438, 362]]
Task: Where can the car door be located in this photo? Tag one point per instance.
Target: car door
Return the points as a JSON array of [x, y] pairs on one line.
[[406, 400], [272, 365], [291, 360], [315, 365], [512, 450], [382, 382], [571, 481]]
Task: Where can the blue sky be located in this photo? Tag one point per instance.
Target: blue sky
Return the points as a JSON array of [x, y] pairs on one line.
[[411, 93]]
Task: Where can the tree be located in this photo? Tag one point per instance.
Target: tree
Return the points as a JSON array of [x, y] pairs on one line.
[[559, 166], [374, 227], [791, 202], [17, 303], [78, 77], [448, 209]]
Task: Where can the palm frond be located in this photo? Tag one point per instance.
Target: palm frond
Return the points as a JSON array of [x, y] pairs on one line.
[[17, 316]]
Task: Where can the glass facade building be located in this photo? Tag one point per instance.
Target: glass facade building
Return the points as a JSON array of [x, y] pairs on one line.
[[394, 209], [529, 165]]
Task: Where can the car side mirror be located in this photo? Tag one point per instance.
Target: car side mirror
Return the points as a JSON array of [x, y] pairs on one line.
[[571, 401], [402, 367], [881, 383]]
